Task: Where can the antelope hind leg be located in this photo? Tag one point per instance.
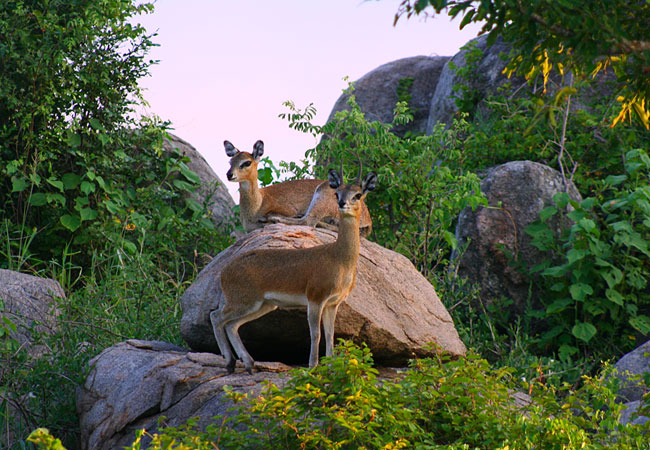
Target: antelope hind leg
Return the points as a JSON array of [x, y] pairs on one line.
[[232, 330]]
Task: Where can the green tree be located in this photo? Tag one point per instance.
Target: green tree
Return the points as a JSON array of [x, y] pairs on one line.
[[81, 171], [586, 37]]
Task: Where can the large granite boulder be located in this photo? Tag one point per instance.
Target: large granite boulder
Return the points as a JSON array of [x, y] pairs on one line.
[[212, 189], [393, 308], [134, 383], [378, 91], [30, 303], [516, 193], [487, 64]]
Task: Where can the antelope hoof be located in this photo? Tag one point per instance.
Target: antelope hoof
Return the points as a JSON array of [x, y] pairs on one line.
[[230, 366]]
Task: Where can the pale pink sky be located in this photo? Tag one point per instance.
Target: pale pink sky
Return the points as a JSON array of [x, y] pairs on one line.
[[226, 67]]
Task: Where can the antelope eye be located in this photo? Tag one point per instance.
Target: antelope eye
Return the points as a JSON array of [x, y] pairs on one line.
[[244, 164], [357, 197]]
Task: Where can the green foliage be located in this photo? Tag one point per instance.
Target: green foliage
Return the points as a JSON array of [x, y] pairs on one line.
[[597, 281], [561, 34], [422, 183], [437, 403], [80, 173]]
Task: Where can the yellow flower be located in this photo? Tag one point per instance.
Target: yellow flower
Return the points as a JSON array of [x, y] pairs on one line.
[[130, 226]]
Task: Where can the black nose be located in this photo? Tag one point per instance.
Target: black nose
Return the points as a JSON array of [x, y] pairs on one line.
[[341, 203], [229, 174]]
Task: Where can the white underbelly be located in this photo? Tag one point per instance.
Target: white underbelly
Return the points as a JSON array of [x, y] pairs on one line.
[[282, 300]]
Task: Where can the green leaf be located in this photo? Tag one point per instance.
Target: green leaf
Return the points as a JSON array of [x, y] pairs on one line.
[[96, 124], [587, 224], [641, 323], [56, 183], [38, 199], [88, 214], [561, 199], [574, 255], [558, 306], [584, 331], [614, 296], [265, 175], [74, 140], [183, 185], [71, 180], [615, 180], [547, 213], [70, 222], [18, 184], [189, 174], [579, 291], [130, 247], [565, 351], [87, 187]]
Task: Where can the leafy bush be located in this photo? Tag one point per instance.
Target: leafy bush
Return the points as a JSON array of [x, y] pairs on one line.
[[435, 404], [597, 281], [423, 186]]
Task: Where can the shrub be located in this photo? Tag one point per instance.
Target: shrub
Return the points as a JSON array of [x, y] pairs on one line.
[[596, 280], [422, 184], [435, 404]]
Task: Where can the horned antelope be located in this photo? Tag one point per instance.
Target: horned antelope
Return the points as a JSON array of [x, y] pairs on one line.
[[295, 202], [317, 278]]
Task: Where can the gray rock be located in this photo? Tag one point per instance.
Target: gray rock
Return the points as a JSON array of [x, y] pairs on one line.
[[212, 189], [134, 383], [393, 308], [377, 91], [631, 408], [516, 193], [489, 76], [30, 303], [637, 362]]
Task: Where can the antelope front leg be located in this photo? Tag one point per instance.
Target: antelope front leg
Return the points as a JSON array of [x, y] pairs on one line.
[[314, 313], [329, 318]]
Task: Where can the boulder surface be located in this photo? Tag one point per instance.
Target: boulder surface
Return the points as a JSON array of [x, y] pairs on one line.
[[393, 308], [30, 303], [378, 91], [212, 189], [516, 193], [134, 383]]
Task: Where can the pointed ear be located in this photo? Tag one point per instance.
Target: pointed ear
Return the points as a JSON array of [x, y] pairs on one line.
[[369, 183], [334, 178], [230, 149], [258, 150]]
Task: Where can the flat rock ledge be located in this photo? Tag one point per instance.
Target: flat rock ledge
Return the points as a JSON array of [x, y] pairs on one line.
[[134, 383], [393, 309]]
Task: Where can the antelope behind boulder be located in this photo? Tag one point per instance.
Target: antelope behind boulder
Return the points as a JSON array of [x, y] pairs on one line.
[[295, 202]]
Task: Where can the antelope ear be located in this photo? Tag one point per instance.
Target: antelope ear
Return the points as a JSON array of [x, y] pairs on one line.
[[230, 149], [369, 183], [334, 178], [258, 150]]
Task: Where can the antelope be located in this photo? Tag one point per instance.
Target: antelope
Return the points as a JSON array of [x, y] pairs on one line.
[[316, 278], [295, 202]]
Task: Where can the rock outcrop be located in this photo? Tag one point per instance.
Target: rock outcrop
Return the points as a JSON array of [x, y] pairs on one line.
[[134, 383], [393, 308], [212, 189], [516, 193], [377, 91], [30, 304], [635, 363]]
